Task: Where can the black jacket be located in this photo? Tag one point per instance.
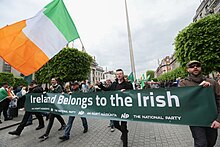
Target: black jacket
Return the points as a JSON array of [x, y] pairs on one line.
[[21, 100], [116, 86], [36, 89], [190, 81]]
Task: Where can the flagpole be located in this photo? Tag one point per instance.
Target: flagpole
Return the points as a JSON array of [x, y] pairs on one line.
[[130, 43], [83, 48]]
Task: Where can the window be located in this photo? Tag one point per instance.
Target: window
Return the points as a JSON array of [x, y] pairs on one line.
[[6, 67]]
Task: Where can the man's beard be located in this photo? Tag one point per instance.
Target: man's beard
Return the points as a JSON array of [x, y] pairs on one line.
[[197, 74]]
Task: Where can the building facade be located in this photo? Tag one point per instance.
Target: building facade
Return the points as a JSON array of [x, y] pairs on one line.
[[164, 67], [110, 75], [96, 73], [5, 67], [167, 64], [207, 7], [173, 62]]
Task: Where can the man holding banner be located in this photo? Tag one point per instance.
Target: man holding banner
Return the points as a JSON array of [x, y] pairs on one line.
[[33, 88], [119, 84], [67, 130], [203, 136], [54, 88]]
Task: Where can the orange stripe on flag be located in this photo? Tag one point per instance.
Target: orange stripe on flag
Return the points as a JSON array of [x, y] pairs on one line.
[[19, 51]]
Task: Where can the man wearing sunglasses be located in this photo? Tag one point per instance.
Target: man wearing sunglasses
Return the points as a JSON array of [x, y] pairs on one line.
[[203, 136]]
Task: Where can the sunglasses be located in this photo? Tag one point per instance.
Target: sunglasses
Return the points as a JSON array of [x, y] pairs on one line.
[[194, 65]]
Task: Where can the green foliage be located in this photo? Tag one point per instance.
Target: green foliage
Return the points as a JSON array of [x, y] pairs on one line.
[[19, 81], [173, 75], [69, 64], [155, 79], [6, 78], [151, 73], [200, 41]]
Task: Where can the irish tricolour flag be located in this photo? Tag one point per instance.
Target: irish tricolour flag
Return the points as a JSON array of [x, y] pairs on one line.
[[27, 45]]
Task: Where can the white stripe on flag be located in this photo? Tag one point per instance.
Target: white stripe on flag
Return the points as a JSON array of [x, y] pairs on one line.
[[43, 33]]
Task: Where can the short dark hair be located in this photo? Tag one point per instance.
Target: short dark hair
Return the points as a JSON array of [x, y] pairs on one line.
[[33, 82], [119, 70], [5, 83], [55, 78]]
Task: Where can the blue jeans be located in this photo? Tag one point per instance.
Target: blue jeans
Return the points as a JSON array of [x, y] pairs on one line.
[[30, 119], [70, 123]]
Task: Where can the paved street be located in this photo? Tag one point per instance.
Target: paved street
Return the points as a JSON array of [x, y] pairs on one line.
[[99, 135]]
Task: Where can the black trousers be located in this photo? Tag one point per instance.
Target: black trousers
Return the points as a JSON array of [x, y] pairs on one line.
[[4, 107], [51, 121], [124, 131], [204, 136], [25, 120]]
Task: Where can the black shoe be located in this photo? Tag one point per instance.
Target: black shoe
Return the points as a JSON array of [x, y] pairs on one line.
[[44, 137], [14, 133], [121, 137], [64, 138], [39, 127], [0, 122], [47, 117], [28, 124], [85, 130], [62, 127]]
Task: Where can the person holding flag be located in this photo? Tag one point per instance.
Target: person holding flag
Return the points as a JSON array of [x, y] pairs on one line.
[[5, 99], [29, 44]]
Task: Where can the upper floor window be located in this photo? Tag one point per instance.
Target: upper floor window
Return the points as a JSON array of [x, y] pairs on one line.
[[6, 67]]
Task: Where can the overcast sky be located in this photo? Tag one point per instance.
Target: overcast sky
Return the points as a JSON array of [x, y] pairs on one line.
[[103, 30]]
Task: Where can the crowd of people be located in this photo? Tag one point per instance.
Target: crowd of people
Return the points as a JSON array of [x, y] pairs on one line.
[[56, 87], [9, 103], [203, 136]]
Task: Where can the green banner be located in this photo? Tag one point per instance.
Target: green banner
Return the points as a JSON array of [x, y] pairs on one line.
[[180, 105]]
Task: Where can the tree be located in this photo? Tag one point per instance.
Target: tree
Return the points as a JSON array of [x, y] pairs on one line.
[[173, 75], [200, 41], [19, 81], [69, 65], [151, 73], [6, 78]]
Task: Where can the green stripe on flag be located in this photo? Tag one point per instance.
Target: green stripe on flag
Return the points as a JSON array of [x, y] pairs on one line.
[[148, 78], [131, 77], [56, 11], [143, 76]]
